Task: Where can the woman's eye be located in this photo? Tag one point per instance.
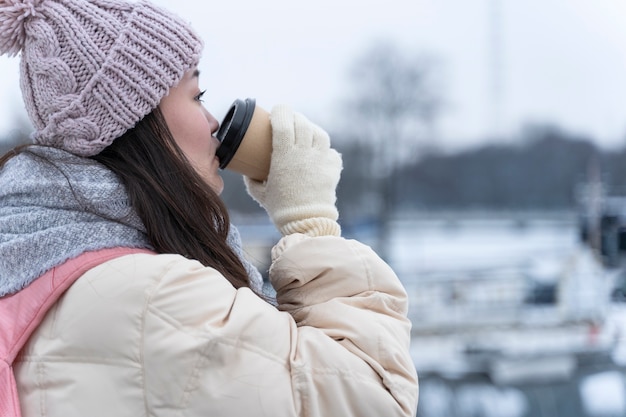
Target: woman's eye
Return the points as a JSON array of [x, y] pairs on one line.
[[199, 96]]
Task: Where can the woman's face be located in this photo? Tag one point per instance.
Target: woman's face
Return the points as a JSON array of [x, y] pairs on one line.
[[193, 127]]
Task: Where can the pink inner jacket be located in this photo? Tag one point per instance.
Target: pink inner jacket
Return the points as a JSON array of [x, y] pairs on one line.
[[21, 313]]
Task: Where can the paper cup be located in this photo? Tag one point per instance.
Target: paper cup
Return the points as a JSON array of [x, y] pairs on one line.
[[246, 140]]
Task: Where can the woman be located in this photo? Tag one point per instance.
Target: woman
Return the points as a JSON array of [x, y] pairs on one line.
[[123, 290]]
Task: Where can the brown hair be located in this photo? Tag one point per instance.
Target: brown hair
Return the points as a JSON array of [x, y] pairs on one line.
[[11, 153], [180, 211]]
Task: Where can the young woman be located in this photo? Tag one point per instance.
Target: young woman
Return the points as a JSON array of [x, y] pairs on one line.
[[123, 289]]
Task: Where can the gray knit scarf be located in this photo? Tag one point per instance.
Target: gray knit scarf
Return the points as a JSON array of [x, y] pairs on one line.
[[45, 222]]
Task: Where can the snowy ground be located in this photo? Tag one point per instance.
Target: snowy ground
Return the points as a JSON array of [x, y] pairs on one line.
[[466, 277]]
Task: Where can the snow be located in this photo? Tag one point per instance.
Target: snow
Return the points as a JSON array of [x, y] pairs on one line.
[[603, 394]]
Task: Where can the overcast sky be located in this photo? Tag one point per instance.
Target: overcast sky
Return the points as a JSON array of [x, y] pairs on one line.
[[558, 61]]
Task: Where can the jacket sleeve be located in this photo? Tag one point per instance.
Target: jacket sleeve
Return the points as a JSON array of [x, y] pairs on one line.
[[336, 345]]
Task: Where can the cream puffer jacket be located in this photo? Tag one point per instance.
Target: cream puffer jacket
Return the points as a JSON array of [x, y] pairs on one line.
[[161, 335]]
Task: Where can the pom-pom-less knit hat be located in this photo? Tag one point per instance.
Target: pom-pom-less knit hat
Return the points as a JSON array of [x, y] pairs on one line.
[[92, 69]]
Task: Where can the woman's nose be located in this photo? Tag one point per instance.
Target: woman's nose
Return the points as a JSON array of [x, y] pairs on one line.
[[213, 123]]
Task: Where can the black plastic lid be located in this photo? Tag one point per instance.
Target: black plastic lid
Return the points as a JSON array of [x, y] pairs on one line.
[[233, 128]]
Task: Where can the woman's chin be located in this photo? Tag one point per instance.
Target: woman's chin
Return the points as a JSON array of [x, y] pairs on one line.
[[217, 184]]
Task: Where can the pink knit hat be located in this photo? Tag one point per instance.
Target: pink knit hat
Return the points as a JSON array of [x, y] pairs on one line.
[[91, 69]]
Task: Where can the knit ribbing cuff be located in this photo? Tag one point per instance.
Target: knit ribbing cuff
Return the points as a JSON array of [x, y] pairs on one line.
[[316, 226]]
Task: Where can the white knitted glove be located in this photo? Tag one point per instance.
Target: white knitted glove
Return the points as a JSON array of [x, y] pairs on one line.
[[299, 193]]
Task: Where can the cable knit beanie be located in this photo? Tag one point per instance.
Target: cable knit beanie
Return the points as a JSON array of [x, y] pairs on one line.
[[92, 69]]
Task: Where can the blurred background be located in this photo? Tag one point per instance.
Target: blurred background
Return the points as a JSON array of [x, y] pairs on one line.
[[484, 146]]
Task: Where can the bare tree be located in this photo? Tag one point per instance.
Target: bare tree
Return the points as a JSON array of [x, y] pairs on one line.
[[395, 101]]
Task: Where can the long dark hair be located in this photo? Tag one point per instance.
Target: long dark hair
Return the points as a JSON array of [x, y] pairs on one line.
[[180, 211]]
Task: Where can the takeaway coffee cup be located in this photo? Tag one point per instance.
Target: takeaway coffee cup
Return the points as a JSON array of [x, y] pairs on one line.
[[245, 137]]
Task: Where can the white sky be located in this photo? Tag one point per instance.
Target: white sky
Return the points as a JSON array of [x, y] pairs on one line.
[[562, 61]]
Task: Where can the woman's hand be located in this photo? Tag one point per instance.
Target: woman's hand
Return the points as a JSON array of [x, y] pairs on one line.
[[299, 193]]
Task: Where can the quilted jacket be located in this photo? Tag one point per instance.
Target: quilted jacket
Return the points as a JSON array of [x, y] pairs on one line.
[[160, 335]]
